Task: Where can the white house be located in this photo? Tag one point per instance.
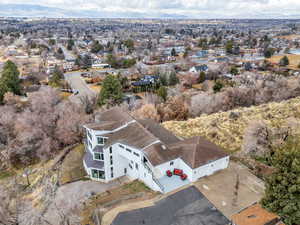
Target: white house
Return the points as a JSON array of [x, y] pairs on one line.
[[100, 66], [118, 145], [198, 69]]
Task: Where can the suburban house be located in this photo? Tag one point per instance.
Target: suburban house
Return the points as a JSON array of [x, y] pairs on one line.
[[255, 214], [146, 80], [100, 66], [118, 145], [200, 54], [198, 69]]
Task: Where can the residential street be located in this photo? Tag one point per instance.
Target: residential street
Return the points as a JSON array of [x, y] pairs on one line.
[[78, 84]]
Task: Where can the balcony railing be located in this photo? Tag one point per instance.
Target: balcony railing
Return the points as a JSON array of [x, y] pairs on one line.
[[153, 177]]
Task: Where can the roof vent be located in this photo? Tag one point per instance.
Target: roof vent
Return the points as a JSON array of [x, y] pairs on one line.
[[163, 147]]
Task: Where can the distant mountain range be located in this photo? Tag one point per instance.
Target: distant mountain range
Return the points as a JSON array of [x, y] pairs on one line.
[[27, 10]]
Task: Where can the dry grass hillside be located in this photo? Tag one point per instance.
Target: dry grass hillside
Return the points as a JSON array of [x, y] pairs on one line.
[[293, 59], [227, 128]]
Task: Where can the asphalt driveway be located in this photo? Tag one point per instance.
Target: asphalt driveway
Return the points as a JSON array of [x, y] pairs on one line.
[[78, 84], [186, 207]]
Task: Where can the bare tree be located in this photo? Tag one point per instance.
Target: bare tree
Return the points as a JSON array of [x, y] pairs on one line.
[[89, 103], [147, 111], [257, 139]]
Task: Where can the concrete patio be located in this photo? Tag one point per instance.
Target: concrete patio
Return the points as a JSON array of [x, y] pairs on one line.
[[172, 183]]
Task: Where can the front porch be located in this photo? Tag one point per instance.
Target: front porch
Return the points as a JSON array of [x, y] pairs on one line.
[[172, 183]]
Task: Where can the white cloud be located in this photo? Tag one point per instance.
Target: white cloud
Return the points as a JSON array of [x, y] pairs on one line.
[[190, 8]]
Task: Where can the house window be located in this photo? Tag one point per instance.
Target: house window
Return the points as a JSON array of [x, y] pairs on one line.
[[111, 160], [136, 154], [171, 163], [111, 172], [128, 150], [100, 140], [136, 166], [98, 174], [145, 160], [89, 135], [98, 156], [130, 166], [110, 150]]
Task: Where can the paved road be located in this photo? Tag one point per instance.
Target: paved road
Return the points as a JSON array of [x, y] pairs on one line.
[[78, 84], [187, 207]]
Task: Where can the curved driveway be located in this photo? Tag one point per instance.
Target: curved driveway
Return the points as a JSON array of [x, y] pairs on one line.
[[78, 84]]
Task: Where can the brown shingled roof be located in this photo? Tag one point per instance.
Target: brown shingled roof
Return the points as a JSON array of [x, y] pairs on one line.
[[159, 153], [106, 125], [160, 132], [198, 151], [255, 214], [133, 135], [115, 114]]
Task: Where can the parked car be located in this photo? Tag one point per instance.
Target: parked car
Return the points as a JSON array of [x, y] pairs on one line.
[[86, 75], [177, 172], [169, 173], [183, 176]]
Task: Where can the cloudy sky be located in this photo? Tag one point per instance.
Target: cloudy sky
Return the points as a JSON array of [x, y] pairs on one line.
[[187, 8]]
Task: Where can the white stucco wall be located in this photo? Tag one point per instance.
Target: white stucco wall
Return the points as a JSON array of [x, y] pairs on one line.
[[161, 169], [210, 168], [121, 160]]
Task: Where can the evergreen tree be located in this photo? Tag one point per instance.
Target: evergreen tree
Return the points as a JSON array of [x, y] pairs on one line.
[[163, 79], [86, 61], [129, 44], [10, 81], [284, 61], [282, 195], [173, 79], [269, 52], [218, 86], [162, 92], [202, 43], [60, 51], [201, 78], [229, 47], [173, 52], [70, 44], [111, 60], [96, 47], [111, 92], [234, 70], [56, 77]]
